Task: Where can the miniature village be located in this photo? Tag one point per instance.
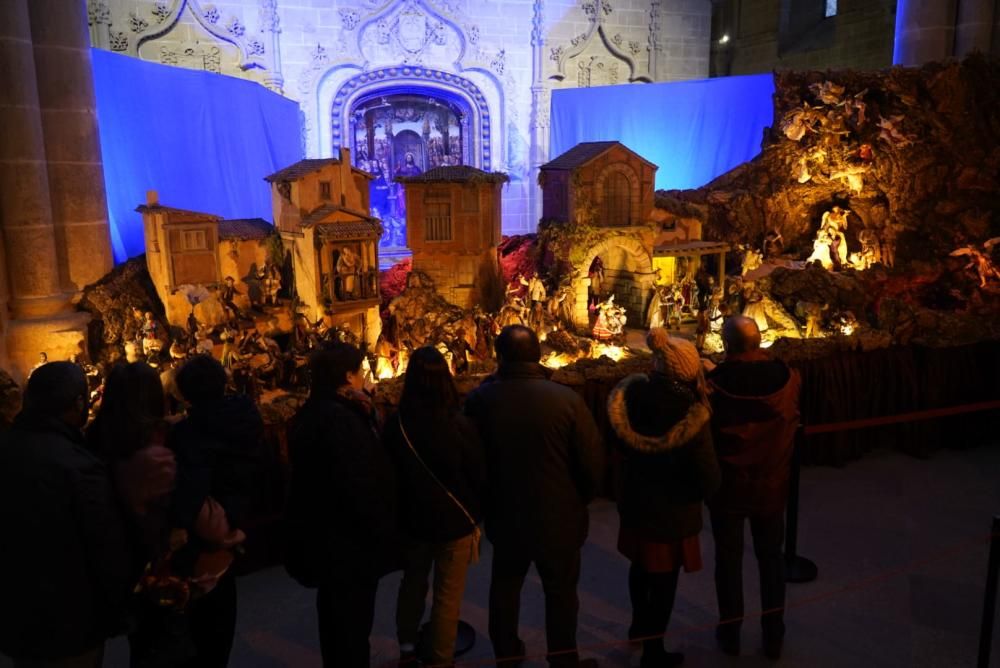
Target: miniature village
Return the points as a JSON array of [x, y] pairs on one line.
[[869, 219]]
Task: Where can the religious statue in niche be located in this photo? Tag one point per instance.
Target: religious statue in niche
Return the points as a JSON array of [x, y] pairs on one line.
[[348, 266]]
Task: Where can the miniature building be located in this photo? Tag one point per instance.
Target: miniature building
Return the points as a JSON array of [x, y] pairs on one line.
[[453, 230], [193, 248], [321, 211], [605, 175], [606, 185]]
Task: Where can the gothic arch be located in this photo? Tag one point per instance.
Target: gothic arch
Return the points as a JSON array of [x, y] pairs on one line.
[[581, 282], [419, 79]]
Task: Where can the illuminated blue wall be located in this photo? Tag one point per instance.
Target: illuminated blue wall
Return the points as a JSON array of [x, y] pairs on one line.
[[204, 141], [694, 130]]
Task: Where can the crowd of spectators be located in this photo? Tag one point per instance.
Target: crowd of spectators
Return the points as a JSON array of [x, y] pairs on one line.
[[131, 524]]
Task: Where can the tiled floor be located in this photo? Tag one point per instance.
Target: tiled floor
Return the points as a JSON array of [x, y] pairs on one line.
[[900, 544]]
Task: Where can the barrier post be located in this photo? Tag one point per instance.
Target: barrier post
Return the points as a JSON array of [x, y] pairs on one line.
[[990, 599], [797, 569]]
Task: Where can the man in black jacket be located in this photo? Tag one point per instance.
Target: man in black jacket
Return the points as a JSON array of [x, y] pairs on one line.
[[545, 460], [64, 549], [219, 453]]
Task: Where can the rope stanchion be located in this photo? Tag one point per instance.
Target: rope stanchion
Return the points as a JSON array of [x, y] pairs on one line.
[[990, 597], [798, 569]]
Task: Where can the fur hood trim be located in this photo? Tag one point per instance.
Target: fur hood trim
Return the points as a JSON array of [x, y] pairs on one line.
[[681, 433]]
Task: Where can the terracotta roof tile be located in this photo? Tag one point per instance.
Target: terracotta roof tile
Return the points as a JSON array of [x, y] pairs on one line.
[[245, 228], [583, 153], [455, 174]]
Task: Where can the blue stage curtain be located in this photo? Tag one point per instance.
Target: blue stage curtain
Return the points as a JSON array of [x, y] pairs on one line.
[[693, 130], [204, 141]]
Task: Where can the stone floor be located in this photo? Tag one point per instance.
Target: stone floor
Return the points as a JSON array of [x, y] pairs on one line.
[[900, 544]]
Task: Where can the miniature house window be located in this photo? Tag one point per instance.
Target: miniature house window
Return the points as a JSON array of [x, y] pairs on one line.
[[617, 200], [470, 199], [437, 221], [192, 240], [324, 190]]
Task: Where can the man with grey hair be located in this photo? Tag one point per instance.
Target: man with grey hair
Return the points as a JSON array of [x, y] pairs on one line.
[[755, 412]]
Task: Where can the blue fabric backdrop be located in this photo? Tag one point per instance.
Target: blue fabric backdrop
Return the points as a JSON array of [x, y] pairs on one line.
[[204, 141], [694, 130]]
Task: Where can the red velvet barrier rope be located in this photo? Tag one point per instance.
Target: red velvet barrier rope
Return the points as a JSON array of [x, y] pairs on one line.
[[915, 416]]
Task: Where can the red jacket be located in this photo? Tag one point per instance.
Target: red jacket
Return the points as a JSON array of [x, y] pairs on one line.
[[755, 412]]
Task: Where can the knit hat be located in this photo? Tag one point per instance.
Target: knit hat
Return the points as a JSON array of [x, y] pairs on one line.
[[676, 357]]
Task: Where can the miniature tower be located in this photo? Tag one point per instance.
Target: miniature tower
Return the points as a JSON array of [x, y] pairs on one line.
[[453, 228]]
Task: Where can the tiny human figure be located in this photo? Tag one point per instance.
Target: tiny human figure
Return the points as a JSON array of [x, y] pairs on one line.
[[596, 276], [151, 343], [43, 359], [603, 326], [228, 294], [656, 305], [348, 266], [701, 328], [460, 350], [755, 412], [980, 260], [675, 305], [813, 312], [383, 358], [774, 244], [821, 250], [536, 289]]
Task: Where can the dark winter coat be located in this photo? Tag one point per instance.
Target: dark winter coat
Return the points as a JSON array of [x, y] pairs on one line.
[[341, 513], [669, 466], [544, 457], [64, 551], [219, 450], [755, 412], [450, 446]]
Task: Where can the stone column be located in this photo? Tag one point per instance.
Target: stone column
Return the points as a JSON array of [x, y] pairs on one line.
[[40, 317], [25, 210], [974, 27], [925, 31], [72, 143]]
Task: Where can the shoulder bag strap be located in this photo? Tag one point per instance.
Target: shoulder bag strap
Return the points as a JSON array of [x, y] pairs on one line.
[[431, 473]]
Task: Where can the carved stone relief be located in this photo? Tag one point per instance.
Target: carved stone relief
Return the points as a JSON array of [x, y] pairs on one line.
[[200, 57], [616, 54]]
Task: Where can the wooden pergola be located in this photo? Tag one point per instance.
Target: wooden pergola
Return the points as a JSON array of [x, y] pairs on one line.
[[691, 249]]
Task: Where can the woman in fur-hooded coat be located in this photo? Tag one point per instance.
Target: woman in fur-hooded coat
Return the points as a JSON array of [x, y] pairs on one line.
[[669, 468]]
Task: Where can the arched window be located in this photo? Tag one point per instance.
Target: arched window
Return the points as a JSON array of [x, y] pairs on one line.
[[617, 209]]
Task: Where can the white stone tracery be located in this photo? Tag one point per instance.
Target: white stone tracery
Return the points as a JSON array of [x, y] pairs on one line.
[[514, 53]]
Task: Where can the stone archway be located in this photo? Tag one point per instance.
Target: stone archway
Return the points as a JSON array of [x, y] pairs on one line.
[[628, 273]]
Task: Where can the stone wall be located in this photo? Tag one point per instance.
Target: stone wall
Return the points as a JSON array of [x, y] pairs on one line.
[[504, 57], [859, 36]]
